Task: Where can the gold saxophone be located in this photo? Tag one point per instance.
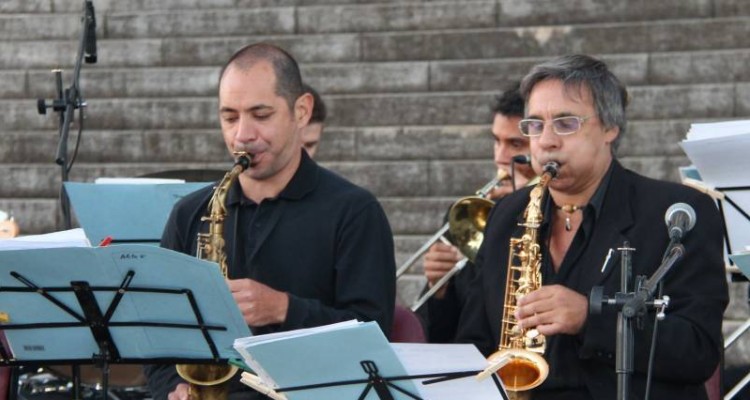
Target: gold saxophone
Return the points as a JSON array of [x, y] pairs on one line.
[[518, 361], [208, 381]]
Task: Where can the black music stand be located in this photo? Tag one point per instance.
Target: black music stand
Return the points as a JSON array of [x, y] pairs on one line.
[[383, 386], [106, 298]]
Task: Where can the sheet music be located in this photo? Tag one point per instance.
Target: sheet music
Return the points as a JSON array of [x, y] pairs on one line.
[[428, 358], [719, 152], [70, 238]]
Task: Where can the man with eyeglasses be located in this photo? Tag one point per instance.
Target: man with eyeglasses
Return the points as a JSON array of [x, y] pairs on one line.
[[575, 116], [440, 313]]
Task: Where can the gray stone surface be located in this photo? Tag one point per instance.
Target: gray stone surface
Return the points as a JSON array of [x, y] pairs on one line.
[[409, 109], [25, 6], [554, 40], [700, 67], [552, 12], [141, 5], [415, 216], [33, 216], [40, 26], [367, 77], [429, 142], [214, 51], [396, 17], [212, 22], [731, 8], [385, 179], [12, 84]]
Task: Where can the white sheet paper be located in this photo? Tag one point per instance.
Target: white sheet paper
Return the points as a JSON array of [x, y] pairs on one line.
[[424, 358], [719, 150], [70, 238]]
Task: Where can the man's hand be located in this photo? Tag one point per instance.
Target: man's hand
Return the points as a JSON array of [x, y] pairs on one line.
[[552, 310], [259, 304], [439, 259], [180, 392]]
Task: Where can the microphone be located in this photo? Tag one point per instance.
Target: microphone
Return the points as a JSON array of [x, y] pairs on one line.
[[522, 159], [90, 39], [680, 219]]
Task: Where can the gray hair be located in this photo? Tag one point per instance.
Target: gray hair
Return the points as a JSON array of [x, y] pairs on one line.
[[579, 72]]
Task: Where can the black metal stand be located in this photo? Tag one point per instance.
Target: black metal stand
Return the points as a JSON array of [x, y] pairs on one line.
[[100, 324], [631, 307], [382, 385], [69, 100]]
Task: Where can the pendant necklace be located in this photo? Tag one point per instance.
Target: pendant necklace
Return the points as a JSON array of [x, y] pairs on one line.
[[569, 209]]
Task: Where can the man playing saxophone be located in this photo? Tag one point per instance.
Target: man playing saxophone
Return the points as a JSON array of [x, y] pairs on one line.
[[304, 247], [575, 116], [440, 314]]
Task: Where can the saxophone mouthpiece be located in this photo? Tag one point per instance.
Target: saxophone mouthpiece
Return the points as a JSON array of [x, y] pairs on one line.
[[243, 159], [551, 168]]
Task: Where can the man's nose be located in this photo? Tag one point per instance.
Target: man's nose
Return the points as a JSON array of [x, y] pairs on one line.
[[246, 130]]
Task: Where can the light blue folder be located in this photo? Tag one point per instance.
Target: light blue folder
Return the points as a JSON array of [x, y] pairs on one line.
[[327, 357], [154, 268], [129, 213]]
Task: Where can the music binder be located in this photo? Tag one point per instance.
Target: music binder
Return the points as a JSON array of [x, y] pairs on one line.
[[129, 213], [122, 304], [353, 360]]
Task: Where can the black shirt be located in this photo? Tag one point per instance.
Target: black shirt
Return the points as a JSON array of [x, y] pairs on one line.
[[323, 240]]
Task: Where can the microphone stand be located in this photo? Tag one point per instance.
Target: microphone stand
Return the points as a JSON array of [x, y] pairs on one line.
[[631, 306], [67, 101]]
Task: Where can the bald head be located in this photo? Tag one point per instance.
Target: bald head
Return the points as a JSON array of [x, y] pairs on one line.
[[288, 77]]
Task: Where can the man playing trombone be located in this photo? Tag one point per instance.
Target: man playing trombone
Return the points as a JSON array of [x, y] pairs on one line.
[[511, 150]]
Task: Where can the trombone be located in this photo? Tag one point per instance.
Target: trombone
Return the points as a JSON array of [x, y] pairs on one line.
[[467, 218]]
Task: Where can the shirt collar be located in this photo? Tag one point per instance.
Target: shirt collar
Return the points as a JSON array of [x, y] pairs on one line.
[[303, 181]]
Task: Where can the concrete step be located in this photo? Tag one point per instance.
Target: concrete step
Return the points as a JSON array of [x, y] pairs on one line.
[[175, 146], [173, 51], [148, 5], [709, 66], [397, 178], [542, 41], [182, 22], [39, 26], [676, 35], [33, 215], [668, 68], [225, 20], [701, 101]]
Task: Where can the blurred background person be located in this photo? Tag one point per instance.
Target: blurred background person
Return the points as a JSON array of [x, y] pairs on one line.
[[311, 133]]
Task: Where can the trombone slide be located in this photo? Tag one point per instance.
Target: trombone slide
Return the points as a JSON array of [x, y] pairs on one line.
[[437, 236], [440, 283]]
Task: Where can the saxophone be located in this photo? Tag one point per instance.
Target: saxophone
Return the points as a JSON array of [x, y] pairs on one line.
[[518, 361], [208, 381]]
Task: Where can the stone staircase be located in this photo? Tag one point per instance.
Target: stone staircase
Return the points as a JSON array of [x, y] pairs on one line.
[[407, 84]]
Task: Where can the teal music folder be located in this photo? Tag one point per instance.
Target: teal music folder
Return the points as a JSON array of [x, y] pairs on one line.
[[324, 355], [152, 319], [128, 213]]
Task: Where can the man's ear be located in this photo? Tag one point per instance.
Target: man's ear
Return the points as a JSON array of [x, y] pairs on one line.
[[612, 134], [303, 107]]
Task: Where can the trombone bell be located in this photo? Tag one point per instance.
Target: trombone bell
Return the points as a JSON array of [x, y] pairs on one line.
[[466, 220]]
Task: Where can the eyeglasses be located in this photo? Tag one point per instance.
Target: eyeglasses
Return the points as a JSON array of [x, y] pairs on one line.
[[561, 126]]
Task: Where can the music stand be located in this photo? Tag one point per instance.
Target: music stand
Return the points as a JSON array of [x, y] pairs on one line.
[[353, 360], [128, 213], [128, 304]]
